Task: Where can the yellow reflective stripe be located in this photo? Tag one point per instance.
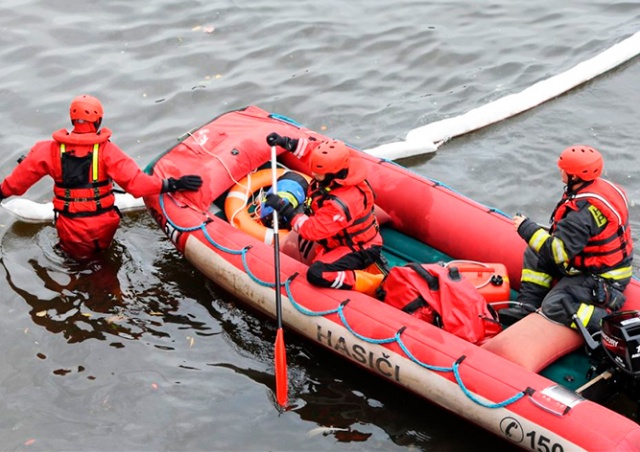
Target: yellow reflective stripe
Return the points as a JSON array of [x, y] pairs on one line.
[[289, 197], [538, 238], [618, 273], [95, 161], [585, 311], [557, 246], [559, 253], [537, 278], [67, 192]]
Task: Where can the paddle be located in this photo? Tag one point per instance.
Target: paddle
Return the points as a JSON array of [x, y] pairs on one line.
[[280, 354]]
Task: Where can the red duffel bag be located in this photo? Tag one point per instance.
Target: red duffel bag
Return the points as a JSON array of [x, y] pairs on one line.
[[440, 295]]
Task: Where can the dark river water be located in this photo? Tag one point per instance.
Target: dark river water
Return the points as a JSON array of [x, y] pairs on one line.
[[137, 351]]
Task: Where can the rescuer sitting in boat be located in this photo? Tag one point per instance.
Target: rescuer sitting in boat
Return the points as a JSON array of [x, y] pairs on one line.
[[83, 164], [338, 215], [587, 251]]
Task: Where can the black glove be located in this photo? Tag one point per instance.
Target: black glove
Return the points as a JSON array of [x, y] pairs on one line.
[[290, 144], [284, 208], [191, 182], [605, 295]]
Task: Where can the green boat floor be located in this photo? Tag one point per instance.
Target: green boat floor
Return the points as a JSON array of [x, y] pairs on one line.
[[569, 371], [400, 249]]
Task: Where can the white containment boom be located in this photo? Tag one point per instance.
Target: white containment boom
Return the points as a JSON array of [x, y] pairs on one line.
[[36, 212], [428, 138]]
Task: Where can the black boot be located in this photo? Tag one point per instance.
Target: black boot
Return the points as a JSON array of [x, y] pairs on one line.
[[509, 316]]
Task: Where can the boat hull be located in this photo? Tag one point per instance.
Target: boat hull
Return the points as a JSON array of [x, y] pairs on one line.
[[516, 404]]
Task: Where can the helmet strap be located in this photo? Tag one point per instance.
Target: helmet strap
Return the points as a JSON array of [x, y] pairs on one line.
[[575, 183]]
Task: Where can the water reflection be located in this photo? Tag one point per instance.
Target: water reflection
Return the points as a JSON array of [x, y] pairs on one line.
[[106, 298], [329, 403], [359, 403], [340, 399], [142, 287]]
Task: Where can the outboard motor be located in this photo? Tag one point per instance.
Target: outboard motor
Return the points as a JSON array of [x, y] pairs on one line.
[[621, 340]]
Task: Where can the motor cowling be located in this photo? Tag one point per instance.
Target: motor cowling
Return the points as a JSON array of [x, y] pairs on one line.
[[621, 340]]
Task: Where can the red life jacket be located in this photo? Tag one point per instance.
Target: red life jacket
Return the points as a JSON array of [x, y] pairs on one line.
[[84, 188], [613, 246], [441, 296], [364, 227]]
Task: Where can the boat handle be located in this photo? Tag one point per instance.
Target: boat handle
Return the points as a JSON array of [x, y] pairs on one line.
[[539, 404]]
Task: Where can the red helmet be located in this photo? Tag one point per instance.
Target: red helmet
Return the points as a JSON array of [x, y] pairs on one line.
[[329, 157], [86, 108], [581, 161]]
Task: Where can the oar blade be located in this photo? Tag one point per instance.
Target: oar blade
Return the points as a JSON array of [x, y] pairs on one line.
[[281, 369]]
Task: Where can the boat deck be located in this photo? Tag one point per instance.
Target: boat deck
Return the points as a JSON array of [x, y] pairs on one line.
[[569, 371]]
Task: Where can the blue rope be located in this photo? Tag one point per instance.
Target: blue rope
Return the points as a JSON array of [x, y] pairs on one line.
[[340, 311], [456, 373], [416, 360]]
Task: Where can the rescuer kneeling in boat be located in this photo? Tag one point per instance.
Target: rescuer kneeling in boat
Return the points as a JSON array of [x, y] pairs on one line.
[[585, 257], [83, 164], [338, 215]]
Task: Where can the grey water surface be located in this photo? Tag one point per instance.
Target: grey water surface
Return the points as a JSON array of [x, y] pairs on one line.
[[137, 351]]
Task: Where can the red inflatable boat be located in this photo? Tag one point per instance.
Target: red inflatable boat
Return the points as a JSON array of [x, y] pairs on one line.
[[534, 384]]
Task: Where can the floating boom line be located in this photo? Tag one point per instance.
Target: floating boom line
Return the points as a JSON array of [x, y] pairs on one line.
[[428, 138]]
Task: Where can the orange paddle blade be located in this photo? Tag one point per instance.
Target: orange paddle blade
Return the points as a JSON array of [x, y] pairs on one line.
[[281, 369]]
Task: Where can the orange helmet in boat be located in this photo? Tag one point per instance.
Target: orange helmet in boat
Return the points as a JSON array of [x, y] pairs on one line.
[[86, 108], [581, 161], [330, 157]]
